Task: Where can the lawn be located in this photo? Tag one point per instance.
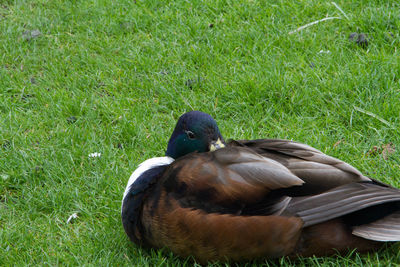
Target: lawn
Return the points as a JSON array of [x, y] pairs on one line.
[[112, 77]]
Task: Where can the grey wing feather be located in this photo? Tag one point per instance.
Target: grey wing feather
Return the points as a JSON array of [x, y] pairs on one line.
[[340, 201], [255, 169], [305, 152], [385, 229], [319, 171]]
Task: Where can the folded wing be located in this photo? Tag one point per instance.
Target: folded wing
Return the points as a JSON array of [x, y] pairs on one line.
[[319, 171], [229, 176]]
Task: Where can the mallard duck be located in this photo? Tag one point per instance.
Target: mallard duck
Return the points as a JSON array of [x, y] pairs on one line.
[[249, 199]]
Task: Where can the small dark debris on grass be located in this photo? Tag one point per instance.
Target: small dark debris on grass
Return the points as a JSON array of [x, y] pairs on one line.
[[72, 119], [192, 82], [211, 25], [119, 145], [362, 40], [38, 169], [25, 97], [389, 36], [5, 144], [33, 80], [353, 36], [359, 38], [104, 92], [28, 35], [164, 72]]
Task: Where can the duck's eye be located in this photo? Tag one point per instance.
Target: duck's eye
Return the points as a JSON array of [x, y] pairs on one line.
[[190, 134]]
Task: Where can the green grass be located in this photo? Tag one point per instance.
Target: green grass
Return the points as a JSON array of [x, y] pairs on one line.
[[112, 77]]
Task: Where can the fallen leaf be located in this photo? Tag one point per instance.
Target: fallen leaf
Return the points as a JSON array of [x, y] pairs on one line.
[[373, 151], [337, 143], [387, 150]]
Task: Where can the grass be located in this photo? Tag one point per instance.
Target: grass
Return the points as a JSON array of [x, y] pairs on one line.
[[113, 77]]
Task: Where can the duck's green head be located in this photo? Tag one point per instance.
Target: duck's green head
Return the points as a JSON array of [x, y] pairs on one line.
[[195, 131]]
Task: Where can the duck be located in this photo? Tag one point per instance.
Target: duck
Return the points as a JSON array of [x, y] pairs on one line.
[[242, 200]]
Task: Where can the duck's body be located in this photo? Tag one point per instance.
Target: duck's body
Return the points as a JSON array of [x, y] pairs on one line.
[[260, 198]]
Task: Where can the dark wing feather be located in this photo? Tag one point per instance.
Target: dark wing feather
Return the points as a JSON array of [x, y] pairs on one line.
[[227, 176], [319, 171]]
